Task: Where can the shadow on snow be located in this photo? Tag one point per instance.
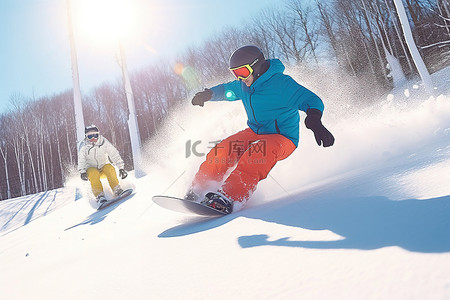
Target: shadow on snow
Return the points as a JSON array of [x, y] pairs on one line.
[[36, 201], [196, 224], [364, 223], [100, 215]]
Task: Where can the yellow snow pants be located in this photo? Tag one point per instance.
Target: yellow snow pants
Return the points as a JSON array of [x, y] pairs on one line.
[[95, 174]]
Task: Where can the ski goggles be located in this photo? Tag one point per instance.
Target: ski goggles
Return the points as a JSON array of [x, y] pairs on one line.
[[244, 72], [92, 136]]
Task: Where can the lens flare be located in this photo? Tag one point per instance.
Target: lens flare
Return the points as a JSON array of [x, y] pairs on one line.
[[178, 68], [189, 75]]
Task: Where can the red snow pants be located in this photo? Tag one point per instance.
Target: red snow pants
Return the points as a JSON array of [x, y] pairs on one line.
[[253, 156]]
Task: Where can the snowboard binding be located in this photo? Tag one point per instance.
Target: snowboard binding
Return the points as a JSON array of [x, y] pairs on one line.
[[218, 202]]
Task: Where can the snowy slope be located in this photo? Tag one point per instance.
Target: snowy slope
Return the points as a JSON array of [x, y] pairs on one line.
[[368, 218]]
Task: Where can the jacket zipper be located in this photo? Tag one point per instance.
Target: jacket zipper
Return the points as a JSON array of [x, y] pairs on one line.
[[254, 116], [95, 152], [253, 111], [276, 126]]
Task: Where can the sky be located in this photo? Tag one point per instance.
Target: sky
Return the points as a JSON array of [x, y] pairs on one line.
[[368, 218], [35, 52]]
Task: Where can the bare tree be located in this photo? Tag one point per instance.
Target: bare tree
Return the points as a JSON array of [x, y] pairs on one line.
[[262, 36], [306, 27], [444, 12], [4, 152]]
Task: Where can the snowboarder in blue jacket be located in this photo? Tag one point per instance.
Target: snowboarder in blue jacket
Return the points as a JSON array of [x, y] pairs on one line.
[[272, 101]]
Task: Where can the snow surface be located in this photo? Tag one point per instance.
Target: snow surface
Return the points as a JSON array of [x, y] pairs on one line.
[[368, 218]]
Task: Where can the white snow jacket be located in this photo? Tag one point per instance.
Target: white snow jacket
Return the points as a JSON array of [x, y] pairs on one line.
[[97, 155]]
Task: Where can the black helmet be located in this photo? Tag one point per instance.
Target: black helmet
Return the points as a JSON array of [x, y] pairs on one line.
[[90, 128], [251, 55]]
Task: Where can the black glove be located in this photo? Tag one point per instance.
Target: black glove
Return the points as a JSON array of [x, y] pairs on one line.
[[123, 174], [84, 176], [201, 97], [314, 123]]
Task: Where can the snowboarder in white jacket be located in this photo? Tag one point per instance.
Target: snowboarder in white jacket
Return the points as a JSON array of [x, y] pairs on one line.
[[95, 155]]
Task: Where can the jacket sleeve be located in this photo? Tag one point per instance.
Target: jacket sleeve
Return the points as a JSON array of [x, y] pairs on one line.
[[230, 91], [81, 158], [300, 97], [114, 155]]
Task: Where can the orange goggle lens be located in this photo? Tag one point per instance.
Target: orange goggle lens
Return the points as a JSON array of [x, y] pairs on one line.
[[242, 72]]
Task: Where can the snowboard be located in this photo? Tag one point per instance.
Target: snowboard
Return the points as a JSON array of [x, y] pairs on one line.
[[110, 202], [186, 206]]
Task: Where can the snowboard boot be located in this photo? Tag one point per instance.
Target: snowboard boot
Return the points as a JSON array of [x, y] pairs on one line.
[[117, 191], [191, 196], [218, 201], [101, 198]]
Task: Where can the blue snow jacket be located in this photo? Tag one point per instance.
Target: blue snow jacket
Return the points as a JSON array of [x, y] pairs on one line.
[[272, 102]]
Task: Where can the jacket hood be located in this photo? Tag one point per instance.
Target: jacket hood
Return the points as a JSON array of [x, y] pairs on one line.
[[276, 66]]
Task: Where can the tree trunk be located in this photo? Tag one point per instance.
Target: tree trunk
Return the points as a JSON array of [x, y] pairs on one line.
[[422, 69], [5, 161], [399, 36]]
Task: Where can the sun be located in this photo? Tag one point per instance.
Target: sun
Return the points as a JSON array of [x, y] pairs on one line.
[[104, 21]]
